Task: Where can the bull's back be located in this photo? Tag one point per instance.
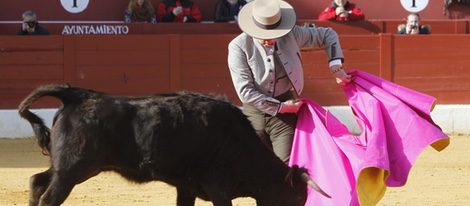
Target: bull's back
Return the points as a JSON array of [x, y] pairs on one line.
[[192, 127], [180, 126], [200, 124], [211, 129]]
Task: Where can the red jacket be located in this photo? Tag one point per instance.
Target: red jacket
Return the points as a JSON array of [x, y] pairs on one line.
[[165, 11], [330, 13]]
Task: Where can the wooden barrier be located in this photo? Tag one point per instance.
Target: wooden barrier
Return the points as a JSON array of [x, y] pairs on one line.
[[26, 63], [343, 28], [438, 65], [437, 26], [146, 64], [139, 28], [349, 28]]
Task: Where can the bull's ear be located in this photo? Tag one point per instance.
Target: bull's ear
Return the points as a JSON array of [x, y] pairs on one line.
[[289, 178], [294, 175]]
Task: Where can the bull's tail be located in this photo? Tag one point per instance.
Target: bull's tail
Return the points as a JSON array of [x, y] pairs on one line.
[[41, 131]]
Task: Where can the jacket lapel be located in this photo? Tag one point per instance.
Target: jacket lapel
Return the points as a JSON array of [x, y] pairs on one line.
[[260, 49]]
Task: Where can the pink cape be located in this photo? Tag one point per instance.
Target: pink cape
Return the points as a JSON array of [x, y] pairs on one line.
[[355, 169]]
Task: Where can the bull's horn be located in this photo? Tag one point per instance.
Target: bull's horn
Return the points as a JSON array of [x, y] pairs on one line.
[[313, 185]]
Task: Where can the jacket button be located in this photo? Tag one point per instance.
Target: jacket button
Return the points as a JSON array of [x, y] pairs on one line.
[[269, 60], [270, 70]]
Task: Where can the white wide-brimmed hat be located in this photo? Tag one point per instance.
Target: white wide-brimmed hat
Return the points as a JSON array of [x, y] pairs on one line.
[[267, 19]]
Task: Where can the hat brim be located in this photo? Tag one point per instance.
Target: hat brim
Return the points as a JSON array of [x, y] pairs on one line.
[[247, 23]]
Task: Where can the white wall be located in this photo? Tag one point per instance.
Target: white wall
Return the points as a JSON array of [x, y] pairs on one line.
[[13, 126], [451, 118]]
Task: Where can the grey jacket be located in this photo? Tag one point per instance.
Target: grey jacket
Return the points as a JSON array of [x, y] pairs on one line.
[[252, 71]]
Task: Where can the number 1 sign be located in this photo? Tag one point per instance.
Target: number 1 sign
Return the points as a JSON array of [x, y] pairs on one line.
[[74, 6], [414, 6]]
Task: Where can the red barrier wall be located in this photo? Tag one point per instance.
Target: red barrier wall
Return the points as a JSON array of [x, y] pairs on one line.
[[146, 64], [438, 65], [346, 28]]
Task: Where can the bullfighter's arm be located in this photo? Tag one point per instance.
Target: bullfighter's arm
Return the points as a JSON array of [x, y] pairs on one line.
[[319, 37]]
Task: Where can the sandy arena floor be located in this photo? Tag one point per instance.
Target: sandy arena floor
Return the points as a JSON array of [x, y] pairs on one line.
[[436, 179]]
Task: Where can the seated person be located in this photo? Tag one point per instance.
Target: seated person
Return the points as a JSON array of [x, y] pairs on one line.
[[342, 10], [30, 25], [140, 11], [183, 11], [227, 10], [413, 27]]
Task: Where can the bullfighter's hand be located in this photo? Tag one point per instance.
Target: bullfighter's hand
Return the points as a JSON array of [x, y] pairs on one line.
[[290, 106], [342, 77]]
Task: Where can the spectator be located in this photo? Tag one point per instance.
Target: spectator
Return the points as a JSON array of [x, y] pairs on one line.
[[140, 11], [178, 11], [413, 27], [30, 25], [342, 10], [227, 10]]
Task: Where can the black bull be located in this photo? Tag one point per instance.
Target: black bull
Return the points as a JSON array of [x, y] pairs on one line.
[[203, 145]]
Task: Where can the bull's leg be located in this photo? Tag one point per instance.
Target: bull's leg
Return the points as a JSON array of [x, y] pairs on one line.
[[218, 192], [220, 199], [263, 203], [64, 178], [58, 190], [222, 202], [38, 184], [184, 197]]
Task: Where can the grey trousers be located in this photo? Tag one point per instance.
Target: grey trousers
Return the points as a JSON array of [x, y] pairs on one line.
[[277, 132]]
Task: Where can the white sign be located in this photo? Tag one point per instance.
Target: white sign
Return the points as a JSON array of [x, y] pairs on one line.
[[95, 30], [74, 6], [414, 6]]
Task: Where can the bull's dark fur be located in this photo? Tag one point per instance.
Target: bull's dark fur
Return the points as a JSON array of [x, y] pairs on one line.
[[203, 145]]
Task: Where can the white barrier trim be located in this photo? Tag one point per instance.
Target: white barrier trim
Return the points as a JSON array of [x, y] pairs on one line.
[[13, 126], [451, 118]]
